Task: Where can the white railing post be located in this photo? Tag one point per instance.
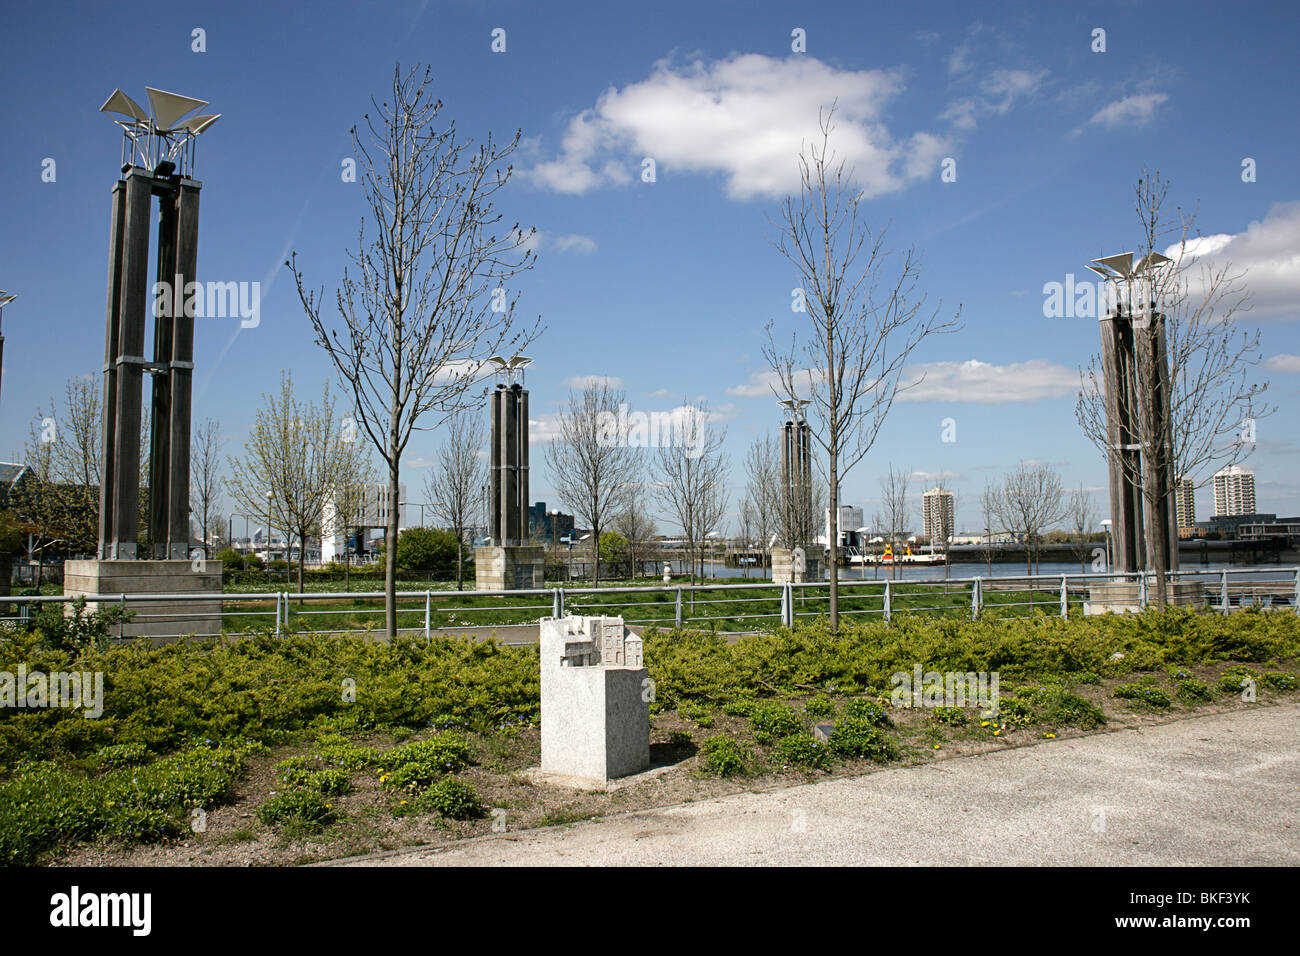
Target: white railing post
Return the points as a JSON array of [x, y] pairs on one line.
[[976, 599], [277, 613], [787, 605], [1223, 590], [428, 614], [888, 601], [1142, 589], [1296, 599], [1065, 598], [679, 607]]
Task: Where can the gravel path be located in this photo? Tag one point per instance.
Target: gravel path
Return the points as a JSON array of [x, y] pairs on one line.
[[1219, 789]]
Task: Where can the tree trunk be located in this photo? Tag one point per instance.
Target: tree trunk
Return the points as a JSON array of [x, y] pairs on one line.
[[834, 527], [390, 548]]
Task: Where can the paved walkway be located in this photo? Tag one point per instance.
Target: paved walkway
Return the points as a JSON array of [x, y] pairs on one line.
[[1219, 789]]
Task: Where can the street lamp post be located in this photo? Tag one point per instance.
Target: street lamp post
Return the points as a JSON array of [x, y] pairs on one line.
[[5, 299]]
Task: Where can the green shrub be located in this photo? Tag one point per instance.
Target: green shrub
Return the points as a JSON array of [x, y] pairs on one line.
[[861, 737], [698, 714], [1233, 680], [231, 561], [739, 707], [1143, 694], [122, 755], [679, 738], [1193, 691], [1055, 705], [819, 707], [772, 720], [302, 809], [307, 771], [725, 757], [452, 798], [416, 766], [952, 716], [1278, 680], [872, 711], [1016, 712], [802, 750]]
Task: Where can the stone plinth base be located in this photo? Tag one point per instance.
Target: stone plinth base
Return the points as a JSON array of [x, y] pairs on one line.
[[786, 568], [161, 618], [515, 568], [1118, 597], [595, 701]]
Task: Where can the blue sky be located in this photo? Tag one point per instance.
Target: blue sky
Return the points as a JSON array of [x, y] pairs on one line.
[[667, 286]]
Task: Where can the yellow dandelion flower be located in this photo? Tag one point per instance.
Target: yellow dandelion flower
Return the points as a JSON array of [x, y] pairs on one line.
[[984, 723], [1049, 735], [936, 746]]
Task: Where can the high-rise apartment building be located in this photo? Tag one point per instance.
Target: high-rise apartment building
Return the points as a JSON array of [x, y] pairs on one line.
[[1234, 491], [937, 515], [1185, 496]]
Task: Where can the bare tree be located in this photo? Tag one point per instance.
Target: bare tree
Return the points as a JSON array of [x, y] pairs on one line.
[[894, 511], [989, 514], [454, 486], [289, 466], [593, 465], [635, 524], [427, 304], [205, 476], [761, 506], [1029, 502], [62, 496], [691, 476], [1081, 515], [1214, 395], [864, 320]]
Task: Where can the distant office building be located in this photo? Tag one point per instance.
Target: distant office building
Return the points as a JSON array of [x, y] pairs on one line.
[[1234, 491], [546, 527], [1185, 494], [356, 537], [850, 520], [937, 515]]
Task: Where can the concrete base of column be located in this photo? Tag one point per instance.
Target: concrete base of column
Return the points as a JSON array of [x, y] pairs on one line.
[[516, 568], [161, 618]]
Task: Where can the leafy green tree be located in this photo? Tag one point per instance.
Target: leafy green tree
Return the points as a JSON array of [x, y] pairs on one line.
[[426, 549], [613, 548]]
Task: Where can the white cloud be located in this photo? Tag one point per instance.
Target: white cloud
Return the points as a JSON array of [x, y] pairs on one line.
[[582, 245], [1000, 90], [1283, 363], [987, 384], [545, 428], [1134, 110], [760, 385], [971, 381], [746, 118], [589, 381], [1268, 252]]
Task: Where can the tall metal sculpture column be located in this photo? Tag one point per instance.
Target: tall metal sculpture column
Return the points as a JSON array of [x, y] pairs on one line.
[[509, 562], [791, 561], [158, 150], [1139, 427]]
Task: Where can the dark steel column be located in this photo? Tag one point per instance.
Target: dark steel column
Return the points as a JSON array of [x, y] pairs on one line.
[[180, 372], [107, 457], [495, 530], [134, 300], [162, 307], [523, 465]]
